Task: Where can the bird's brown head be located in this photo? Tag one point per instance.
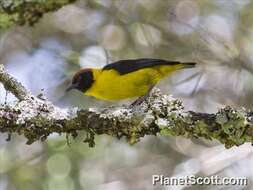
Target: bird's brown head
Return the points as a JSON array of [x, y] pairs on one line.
[[82, 80]]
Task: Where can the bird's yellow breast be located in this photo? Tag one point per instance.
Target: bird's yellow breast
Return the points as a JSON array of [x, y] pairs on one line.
[[110, 85]]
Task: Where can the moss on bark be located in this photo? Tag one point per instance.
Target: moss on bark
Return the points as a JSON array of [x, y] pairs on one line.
[[21, 12]]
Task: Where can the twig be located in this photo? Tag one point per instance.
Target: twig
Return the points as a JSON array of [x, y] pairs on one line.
[[12, 85]]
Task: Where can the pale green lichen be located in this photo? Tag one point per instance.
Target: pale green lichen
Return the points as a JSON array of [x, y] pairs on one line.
[[160, 114], [5, 20], [22, 12], [233, 126], [229, 126]]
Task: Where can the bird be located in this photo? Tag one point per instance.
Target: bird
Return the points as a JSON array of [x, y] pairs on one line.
[[124, 79]]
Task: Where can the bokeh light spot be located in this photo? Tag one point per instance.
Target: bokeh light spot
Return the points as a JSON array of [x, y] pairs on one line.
[[93, 57], [185, 17], [113, 37], [71, 19], [61, 184], [58, 165], [146, 35]]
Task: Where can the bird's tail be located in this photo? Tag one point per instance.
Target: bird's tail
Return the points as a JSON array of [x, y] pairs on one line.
[[188, 64]]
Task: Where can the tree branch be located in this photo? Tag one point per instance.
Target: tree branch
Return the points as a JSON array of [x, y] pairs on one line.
[[12, 85], [22, 12], [37, 118]]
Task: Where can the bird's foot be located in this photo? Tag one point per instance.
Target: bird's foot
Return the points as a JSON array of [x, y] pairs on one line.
[[141, 99], [138, 101]]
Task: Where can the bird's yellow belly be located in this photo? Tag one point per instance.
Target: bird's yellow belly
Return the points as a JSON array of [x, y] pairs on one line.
[[112, 86], [118, 91]]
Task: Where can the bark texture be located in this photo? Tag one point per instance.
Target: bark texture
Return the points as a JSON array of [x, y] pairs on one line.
[[22, 12], [36, 118]]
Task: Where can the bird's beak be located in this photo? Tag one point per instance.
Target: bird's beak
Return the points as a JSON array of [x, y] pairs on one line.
[[71, 87]]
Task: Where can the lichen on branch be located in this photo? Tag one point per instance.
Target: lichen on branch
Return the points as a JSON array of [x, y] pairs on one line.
[[12, 85], [22, 12], [160, 114]]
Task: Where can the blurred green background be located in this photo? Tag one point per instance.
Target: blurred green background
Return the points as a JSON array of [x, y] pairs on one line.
[[217, 34]]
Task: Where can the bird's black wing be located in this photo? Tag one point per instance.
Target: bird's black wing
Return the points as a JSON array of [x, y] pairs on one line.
[[131, 65]]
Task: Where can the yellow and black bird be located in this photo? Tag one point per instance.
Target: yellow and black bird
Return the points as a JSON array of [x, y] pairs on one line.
[[125, 78]]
